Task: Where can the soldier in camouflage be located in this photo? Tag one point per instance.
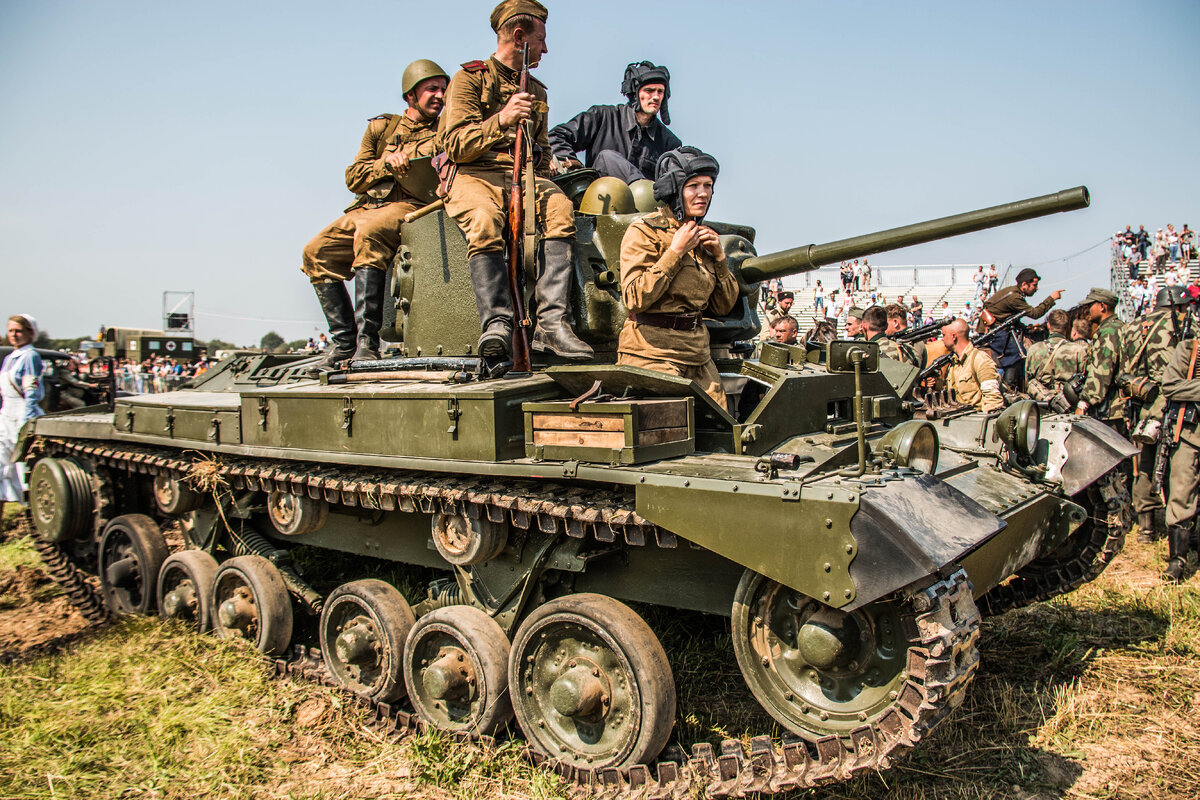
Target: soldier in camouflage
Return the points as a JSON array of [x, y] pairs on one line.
[[1101, 396], [1053, 367], [1149, 344]]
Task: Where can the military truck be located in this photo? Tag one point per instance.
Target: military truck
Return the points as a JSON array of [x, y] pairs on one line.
[[848, 540]]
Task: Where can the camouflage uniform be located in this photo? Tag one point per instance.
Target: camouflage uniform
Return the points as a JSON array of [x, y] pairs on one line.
[[1052, 364], [1150, 343], [1100, 391]]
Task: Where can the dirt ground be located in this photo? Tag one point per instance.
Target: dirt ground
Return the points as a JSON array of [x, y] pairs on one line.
[[41, 619]]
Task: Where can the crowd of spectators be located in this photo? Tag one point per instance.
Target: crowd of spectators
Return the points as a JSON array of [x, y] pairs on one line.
[[152, 375], [1167, 249]]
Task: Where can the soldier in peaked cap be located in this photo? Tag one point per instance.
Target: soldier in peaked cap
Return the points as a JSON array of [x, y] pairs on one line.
[[623, 141], [361, 244], [1010, 301], [1101, 396], [484, 107], [673, 272]]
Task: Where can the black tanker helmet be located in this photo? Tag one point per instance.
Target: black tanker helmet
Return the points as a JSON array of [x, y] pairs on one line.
[[638, 75], [677, 167]]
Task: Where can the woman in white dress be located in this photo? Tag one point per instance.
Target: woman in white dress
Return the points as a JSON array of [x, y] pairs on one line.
[[20, 390]]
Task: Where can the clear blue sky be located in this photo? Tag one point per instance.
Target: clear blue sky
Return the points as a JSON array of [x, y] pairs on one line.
[[147, 146]]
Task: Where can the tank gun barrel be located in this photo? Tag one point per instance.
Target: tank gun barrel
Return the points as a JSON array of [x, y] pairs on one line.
[[814, 256]]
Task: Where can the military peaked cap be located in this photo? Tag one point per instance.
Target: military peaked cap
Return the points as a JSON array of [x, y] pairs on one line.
[[1098, 295], [511, 8]]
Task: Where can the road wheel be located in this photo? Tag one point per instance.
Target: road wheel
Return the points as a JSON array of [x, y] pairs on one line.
[[456, 667], [250, 601], [174, 497], [363, 628], [590, 683], [131, 554], [184, 583]]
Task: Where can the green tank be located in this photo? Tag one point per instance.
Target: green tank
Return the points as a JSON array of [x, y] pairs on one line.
[[849, 535]]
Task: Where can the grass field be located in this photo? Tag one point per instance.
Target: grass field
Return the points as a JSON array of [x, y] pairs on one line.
[[1096, 695]]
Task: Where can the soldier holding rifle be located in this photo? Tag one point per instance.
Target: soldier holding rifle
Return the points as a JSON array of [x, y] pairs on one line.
[[1004, 304], [971, 374], [485, 107], [1181, 385]]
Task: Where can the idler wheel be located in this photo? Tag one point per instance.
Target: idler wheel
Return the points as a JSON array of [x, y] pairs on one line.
[[250, 601], [590, 683], [362, 631], [131, 554], [464, 540], [174, 497], [60, 496], [184, 584], [456, 668], [295, 515]]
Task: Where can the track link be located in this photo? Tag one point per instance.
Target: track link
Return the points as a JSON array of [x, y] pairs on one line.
[[80, 590], [941, 664]]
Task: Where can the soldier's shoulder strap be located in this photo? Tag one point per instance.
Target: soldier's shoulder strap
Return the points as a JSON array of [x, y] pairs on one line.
[[1147, 325], [474, 66], [388, 130]]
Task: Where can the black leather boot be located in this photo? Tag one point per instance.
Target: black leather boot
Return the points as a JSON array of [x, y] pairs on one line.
[[553, 292], [339, 313], [1147, 530], [368, 311], [493, 299], [1178, 543]]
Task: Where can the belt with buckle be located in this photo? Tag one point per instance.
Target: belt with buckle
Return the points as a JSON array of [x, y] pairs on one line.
[[675, 322]]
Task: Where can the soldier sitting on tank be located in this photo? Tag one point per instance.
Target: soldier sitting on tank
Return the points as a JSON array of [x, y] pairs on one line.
[[484, 107], [1004, 304], [673, 271], [1053, 368], [854, 323], [971, 373], [623, 141], [875, 324], [361, 243], [785, 330]]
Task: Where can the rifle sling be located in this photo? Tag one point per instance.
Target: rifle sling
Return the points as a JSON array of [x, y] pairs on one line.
[[1191, 374]]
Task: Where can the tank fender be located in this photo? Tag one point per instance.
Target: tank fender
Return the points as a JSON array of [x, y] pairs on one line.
[[1078, 451], [909, 529]]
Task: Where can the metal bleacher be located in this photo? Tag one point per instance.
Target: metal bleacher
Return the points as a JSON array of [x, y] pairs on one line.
[[1123, 274]]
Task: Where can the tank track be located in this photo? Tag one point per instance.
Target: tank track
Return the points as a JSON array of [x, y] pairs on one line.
[[74, 582], [1112, 519], [942, 617]]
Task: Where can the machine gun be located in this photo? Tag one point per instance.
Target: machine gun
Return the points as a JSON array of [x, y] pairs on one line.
[[922, 333], [979, 340]]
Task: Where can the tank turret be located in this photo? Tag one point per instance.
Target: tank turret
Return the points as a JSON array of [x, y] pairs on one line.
[[434, 311]]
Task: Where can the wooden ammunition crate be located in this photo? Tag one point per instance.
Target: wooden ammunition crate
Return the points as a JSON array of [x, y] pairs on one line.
[[611, 432]]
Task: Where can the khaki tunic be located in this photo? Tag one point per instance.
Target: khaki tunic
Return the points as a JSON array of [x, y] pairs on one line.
[[470, 134], [972, 376], [368, 234], [654, 280]]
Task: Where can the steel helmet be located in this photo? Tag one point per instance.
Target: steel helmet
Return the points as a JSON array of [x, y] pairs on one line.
[[643, 195], [420, 70], [1172, 296], [608, 196]]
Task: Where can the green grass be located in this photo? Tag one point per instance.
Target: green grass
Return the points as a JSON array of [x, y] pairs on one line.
[[1093, 695]]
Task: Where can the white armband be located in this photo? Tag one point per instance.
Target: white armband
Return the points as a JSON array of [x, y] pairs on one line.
[[988, 387]]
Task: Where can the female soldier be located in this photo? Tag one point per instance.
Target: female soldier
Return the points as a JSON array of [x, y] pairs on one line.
[[673, 271], [21, 391]]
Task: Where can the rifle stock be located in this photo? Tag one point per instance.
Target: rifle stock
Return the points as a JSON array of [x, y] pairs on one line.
[[517, 242]]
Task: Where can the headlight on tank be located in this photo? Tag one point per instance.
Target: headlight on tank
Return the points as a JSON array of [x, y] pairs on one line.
[[1019, 426], [913, 444]]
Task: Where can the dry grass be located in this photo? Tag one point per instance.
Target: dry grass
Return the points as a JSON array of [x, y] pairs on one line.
[[1095, 695]]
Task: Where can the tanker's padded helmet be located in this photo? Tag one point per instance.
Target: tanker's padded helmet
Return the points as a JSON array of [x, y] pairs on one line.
[[643, 195], [608, 196], [638, 75], [420, 70], [677, 167]]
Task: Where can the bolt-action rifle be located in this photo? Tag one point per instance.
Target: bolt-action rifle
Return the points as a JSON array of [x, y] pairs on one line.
[[522, 231], [979, 340], [922, 333]]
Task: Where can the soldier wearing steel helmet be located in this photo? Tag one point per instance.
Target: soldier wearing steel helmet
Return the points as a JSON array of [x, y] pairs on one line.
[[361, 244], [1149, 344], [623, 141]]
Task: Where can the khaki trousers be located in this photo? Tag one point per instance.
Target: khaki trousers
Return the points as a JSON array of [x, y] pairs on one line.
[[1182, 484], [478, 202], [360, 238], [1143, 495], [704, 374]]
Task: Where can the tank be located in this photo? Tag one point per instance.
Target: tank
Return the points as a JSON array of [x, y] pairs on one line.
[[850, 537]]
